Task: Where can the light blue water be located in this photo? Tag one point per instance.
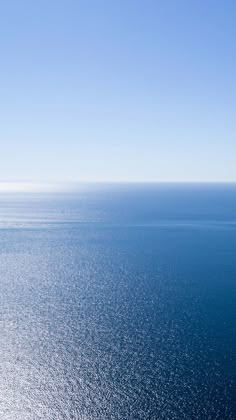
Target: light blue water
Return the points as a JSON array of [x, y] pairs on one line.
[[118, 303]]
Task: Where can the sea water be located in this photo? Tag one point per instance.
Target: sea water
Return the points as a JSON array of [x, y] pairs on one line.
[[118, 302]]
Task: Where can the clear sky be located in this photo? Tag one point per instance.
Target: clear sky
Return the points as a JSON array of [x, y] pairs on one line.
[[117, 90]]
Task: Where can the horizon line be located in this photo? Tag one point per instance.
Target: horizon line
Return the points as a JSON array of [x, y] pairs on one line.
[[73, 186]]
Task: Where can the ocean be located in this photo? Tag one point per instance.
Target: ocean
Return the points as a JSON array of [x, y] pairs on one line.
[[118, 302]]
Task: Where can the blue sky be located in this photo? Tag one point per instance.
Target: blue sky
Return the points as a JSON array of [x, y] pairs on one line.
[[118, 90]]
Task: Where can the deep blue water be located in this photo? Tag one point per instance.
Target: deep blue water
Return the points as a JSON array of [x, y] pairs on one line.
[[118, 303]]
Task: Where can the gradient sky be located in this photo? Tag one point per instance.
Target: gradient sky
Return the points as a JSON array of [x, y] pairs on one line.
[[118, 90]]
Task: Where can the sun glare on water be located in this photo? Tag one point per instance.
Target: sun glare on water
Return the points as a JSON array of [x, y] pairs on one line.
[[22, 187]]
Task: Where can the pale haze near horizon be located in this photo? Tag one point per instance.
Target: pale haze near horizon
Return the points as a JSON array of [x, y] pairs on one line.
[[117, 91]]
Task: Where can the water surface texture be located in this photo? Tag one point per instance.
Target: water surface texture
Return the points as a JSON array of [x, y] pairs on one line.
[[118, 302]]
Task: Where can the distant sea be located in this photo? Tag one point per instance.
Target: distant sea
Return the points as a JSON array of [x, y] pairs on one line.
[[118, 302]]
